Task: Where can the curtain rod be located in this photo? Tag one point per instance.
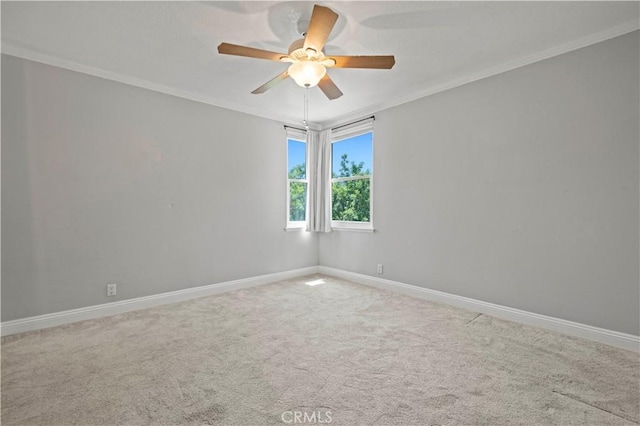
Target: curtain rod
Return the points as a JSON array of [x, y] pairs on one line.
[[295, 128], [373, 117]]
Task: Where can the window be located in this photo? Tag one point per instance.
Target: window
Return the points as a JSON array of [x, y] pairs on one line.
[[296, 181], [352, 173]]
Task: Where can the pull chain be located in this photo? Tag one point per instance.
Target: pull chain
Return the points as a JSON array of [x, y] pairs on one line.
[[305, 121]]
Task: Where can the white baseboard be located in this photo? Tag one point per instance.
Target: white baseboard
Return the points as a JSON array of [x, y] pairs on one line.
[[613, 338], [609, 337], [65, 317]]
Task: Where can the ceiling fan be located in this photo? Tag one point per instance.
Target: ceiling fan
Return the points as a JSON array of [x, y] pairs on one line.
[[308, 62]]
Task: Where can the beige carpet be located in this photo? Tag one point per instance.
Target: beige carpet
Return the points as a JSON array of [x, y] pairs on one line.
[[337, 352]]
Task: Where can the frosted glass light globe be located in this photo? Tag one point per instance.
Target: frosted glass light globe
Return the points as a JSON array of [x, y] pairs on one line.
[[307, 73]]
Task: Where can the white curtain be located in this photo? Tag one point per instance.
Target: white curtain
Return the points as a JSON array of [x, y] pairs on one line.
[[319, 174]]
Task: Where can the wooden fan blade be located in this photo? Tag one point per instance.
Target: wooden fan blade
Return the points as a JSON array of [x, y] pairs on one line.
[[322, 21], [271, 83], [250, 52], [329, 88], [379, 62]]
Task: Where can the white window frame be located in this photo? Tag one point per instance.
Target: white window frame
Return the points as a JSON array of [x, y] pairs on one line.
[[338, 135], [298, 136]]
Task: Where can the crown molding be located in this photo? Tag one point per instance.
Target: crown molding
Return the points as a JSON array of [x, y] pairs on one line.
[[28, 54], [619, 30], [579, 43]]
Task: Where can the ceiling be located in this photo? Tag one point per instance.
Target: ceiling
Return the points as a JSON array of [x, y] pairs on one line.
[[171, 46]]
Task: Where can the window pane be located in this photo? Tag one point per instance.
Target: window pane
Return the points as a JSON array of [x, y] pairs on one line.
[[352, 156], [298, 201], [350, 200], [297, 157]]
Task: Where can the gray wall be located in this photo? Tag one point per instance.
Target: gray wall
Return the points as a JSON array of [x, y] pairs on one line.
[[520, 189], [104, 182]]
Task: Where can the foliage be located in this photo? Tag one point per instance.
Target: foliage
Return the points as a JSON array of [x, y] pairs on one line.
[[298, 172], [350, 198], [298, 193]]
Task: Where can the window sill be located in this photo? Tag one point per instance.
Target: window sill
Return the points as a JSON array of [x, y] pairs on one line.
[[367, 231], [353, 226], [295, 228]]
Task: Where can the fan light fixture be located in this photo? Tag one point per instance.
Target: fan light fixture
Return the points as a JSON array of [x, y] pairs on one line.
[[307, 73], [308, 62]]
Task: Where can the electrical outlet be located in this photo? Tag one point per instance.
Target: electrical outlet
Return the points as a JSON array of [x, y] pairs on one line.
[[379, 268], [111, 290]]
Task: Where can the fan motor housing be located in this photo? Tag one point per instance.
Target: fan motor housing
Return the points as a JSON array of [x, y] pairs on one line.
[[299, 53], [296, 49]]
